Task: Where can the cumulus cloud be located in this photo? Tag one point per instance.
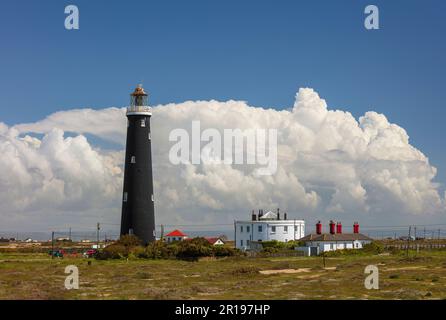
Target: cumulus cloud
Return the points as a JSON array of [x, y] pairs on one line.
[[330, 165]]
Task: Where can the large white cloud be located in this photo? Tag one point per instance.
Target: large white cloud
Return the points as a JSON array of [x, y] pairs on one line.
[[330, 165]]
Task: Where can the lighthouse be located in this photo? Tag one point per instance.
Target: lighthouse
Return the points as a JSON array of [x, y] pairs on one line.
[[138, 213]]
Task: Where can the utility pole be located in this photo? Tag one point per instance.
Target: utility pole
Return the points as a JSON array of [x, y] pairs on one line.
[[439, 234], [235, 235], [408, 240], [415, 232], [162, 233], [424, 233], [52, 245], [69, 234], [97, 234]]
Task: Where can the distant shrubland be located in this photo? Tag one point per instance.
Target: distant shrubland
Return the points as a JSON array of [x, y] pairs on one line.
[[130, 247]]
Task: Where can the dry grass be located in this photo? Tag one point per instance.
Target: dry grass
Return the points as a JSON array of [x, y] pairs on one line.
[[36, 276]]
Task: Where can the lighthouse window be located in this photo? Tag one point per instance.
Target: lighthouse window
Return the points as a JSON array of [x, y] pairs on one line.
[[133, 159], [273, 229], [260, 228], [285, 229], [125, 197], [241, 228], [143, 122]]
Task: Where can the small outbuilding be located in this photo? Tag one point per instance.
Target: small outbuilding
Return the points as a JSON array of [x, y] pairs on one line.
[[175, 235], [215, 241]]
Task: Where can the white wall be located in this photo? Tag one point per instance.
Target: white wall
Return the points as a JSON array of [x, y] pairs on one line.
[[338, 245], [251, 232]]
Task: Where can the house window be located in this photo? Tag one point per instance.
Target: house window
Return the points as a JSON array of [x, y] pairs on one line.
[[248, 228], [273, 229], [133, 159], [241, 228], [295, 228], [125, 197], [241, 243], [356, 245], [247, 242], [143, 122], [285, 229], [331, 246], [260, 229]]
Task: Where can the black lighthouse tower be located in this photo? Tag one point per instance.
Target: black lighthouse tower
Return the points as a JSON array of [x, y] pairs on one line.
[[138, 214]]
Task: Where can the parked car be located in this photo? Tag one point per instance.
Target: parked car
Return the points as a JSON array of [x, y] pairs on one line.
[[56, 253], [90, 253]]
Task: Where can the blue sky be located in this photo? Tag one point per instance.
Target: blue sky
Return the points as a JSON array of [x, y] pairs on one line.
[[258, 51]]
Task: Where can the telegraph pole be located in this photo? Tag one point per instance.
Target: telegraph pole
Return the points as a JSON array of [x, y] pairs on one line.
[[439, 234], [52, 245], [97, 234], [69, 234], [162, 233], [415, 232], [408, 241]]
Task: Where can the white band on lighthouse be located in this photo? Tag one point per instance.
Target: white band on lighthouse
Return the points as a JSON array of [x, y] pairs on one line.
[[139, 111]]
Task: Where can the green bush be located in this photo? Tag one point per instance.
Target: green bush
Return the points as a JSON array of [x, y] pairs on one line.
[[129, 241], [270, 250], [222, 251], [373, 247], [290, 245], [127, 247], [160, 250], [114, 251], [193, 250]]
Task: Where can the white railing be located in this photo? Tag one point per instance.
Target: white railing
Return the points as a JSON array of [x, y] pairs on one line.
[[139, 109]]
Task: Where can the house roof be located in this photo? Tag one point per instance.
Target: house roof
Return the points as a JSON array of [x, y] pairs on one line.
[[335, 237], [213, 240], [176, 233], [268, 215]]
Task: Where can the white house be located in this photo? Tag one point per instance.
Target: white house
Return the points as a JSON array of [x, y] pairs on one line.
[[215, 241], [175, 235], [335, 240], [267, 227]]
